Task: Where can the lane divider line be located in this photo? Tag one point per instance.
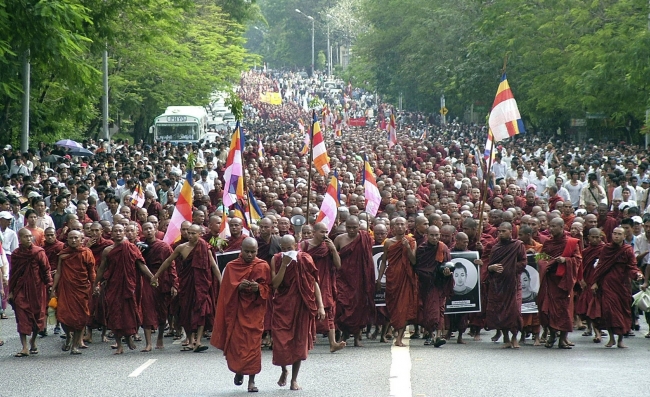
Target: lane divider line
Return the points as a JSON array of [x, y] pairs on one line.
[[141, 368]]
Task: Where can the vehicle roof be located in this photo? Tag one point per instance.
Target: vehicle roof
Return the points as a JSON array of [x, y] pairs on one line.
[[194, 111]]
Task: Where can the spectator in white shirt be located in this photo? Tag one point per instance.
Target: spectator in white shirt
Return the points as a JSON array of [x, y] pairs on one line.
[[574, 187], [9, 237], [618, 191], [539, 180], [498, 168], [205, 182]]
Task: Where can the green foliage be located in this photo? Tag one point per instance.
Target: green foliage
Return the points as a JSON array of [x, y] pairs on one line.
[[161, 53], [567, 57], [321, 60], [236, 106]]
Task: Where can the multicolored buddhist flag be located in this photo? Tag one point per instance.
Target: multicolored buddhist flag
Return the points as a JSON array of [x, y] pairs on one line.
[[224, 229], [137, 198], [256, 213], [260, 148], [373, 198], [234, 173], [330, 205], [182, 211], [320, 157], [504, 121]]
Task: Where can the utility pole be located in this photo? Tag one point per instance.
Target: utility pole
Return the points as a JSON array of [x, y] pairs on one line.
[[105, 132], [24, 138]]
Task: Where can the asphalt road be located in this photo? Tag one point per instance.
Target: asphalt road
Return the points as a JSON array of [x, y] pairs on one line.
[[474, 369]]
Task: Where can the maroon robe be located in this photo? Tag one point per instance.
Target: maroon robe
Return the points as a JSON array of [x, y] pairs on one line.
[[97, 317], [324, 262], [504, 289], [196, 298], [29, 279], [265, 251], [616, 266], [293, 324], [607, 225], [75, 287], [402, 299], [355, 283], [434, 287], [555, 296], [239, 320], [234, 243], [155, 301], [52, 253], [587, 304], [122, 311]]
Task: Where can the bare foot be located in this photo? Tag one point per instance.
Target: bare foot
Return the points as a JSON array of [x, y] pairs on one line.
[[104, 339], [357, 343], [383, 340], [537, 343], [294, 386], [374, 335], [610, 343], [507, 346], [337, 346], [160, 346], [129, 341], [146, 349], [461, 342], [477, 338], [283, 378], [399, 344], [621, 345], [496, 337], [119, 350], [515, 344]]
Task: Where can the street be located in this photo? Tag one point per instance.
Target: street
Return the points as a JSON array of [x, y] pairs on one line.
[[475, 369]]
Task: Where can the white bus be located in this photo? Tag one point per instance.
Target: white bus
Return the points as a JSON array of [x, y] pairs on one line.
[[181, 124]]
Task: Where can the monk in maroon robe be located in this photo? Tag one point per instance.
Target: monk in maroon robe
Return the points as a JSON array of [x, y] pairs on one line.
[[507, 262], [401, 282], [239, 321], [196, 273], [52, 248], [435, 284], [72, 286], [236, 236], [587, 306], [29, 279], [297, 304], [155, 301], [327, 261], [616, 266], [606, 223], [267, 246], [558, 275], [118, 268], [97, 243], [355, 281]]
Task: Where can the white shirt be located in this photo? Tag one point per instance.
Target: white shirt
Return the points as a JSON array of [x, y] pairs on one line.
[[574, 192], [499, 170], [540, 184], [618, 193], [9, 241], [44, 221], [642, 245]]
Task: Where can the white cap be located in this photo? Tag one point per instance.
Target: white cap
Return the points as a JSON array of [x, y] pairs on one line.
[[5, 215], [33, 194]]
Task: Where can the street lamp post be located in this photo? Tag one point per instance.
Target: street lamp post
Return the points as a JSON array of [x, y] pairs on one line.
[[312, 38], [329, 47]]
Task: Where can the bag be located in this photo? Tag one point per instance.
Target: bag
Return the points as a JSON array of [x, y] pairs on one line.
[[642, 300]]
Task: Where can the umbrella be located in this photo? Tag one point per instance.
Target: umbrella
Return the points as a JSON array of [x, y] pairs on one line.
[[80, 152], [68, 143], [50, 158]]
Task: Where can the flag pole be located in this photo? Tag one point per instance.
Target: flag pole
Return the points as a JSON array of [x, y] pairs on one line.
[[244, 168], [311, 160], [488, 166]]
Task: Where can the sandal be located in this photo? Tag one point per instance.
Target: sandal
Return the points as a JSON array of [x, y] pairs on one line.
[[186, 349], [589, 333], [428, 342], [550, 342], [200, 348], [21, 354], [597, 340], [2, 343], [439, 342], [3, 316], [33, 351], [239, 380], [563, 346]]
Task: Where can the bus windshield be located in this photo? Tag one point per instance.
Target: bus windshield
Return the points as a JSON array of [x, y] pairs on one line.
[[177, 132]]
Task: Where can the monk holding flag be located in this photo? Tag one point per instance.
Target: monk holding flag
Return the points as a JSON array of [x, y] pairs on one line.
[[196, 273], [616, 266], [239, 321], [327, 261], [558, 275], [401, 282], [507, 262], [355, 281], [72, 286], [297, 304]]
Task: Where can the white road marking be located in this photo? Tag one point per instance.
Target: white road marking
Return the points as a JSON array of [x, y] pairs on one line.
[[141, 368], [400, 370]]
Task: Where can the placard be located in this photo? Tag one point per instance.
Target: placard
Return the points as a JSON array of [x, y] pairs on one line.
[[225, 257], [529, 286], [380, 296], [466, 296]]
